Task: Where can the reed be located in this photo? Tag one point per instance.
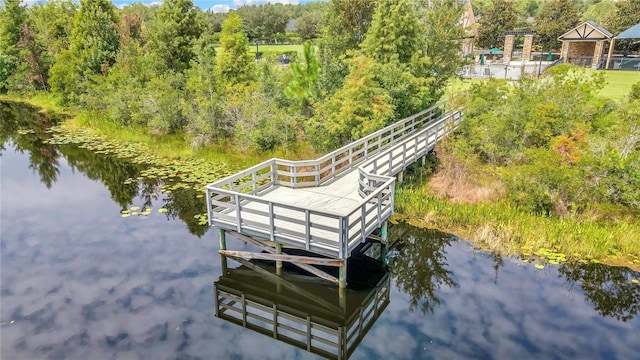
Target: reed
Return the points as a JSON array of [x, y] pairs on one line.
[[500, 227]]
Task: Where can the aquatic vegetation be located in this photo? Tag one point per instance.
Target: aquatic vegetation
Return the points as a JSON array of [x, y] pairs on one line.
[[166, 176]]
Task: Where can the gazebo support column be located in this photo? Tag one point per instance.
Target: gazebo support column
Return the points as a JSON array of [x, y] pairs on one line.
[[611, 46], [597, 54]]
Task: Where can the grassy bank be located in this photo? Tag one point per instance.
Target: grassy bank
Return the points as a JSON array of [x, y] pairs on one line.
[[501, 228], [175, 146]]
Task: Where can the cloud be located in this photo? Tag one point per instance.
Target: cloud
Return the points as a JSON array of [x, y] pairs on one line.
[[220, 8]]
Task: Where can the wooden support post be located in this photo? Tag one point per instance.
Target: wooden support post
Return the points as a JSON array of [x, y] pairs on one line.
[[223, 239], [610, 53], [384, 244], [342, 297], [424, 160], [278, 262], [224, 264], [342, 279], [384, 232], [400, 177]]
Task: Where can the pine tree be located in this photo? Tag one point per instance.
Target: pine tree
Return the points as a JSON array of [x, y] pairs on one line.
[[172, 35], [93, 50], [396, 33], [234, 64]]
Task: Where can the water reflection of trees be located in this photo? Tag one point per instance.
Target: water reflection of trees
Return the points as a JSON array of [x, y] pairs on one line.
[[419, 265], [109, 170], [609, 288], [43, 158]]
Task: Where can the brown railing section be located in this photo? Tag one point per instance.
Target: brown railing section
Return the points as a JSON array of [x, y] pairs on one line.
[[235, 203]]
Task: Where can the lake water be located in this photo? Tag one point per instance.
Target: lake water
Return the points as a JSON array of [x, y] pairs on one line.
[[79, 281]]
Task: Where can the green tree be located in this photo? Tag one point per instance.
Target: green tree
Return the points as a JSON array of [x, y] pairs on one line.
[[362, 106], [554, 19], [93, 50], [345, 24], [308, 25], [443, 41], [626, 15], [177, 26], [234, 64], [303, 85], [600, 12], [202, 107], [396, 34], [495, 21], [263, 22], [12, 16]]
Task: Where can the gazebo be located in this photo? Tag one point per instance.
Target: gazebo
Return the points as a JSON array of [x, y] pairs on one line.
[[631, 33], [584, 44]]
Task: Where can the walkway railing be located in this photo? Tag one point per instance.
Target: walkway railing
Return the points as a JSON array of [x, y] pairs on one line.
[[231, 199], [374, 173]]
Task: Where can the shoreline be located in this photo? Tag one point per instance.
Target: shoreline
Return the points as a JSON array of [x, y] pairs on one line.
[[507, 238]]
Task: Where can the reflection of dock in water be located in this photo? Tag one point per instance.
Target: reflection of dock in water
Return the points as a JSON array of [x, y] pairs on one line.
[[303, 311]]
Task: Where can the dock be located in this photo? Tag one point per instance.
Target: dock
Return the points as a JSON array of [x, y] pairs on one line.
[[327, 206]]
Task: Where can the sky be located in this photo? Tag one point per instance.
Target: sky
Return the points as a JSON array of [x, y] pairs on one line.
[[215, 5]]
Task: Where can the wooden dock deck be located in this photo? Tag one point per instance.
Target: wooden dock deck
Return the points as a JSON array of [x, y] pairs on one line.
[[330, 205]]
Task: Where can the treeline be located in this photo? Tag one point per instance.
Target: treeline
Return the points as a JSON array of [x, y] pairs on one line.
[[174, 69], [551, 18], [550, 146]]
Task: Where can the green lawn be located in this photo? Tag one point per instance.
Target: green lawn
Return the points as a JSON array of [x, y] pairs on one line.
[[619, 83], [273, 49], [277, 48], [617, 87]]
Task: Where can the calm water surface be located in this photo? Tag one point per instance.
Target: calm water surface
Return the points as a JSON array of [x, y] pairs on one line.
[[78, 281]]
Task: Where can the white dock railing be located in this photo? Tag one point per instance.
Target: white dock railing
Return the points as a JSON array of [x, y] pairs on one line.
[[231, 199], [375, 172]]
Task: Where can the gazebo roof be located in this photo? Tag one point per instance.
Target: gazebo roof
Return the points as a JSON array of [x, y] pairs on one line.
[[631, 33], [587, 31]]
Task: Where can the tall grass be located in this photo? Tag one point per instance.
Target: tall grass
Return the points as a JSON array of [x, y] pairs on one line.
[[501, 227]]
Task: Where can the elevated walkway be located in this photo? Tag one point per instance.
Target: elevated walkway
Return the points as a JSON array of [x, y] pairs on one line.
[[330, 205]]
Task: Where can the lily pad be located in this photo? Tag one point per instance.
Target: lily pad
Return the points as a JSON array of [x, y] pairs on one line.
[[635, 281], [163, 210], [539, 266], [135, 208], [126, 215]]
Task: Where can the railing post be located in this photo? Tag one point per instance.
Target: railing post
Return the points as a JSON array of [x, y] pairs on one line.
[[379, 204], [253, 182], [363, 218], [293, 170], [272, 227], [238, 213], [209, 207], [404, 155], [307, 222], [274, 173]]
